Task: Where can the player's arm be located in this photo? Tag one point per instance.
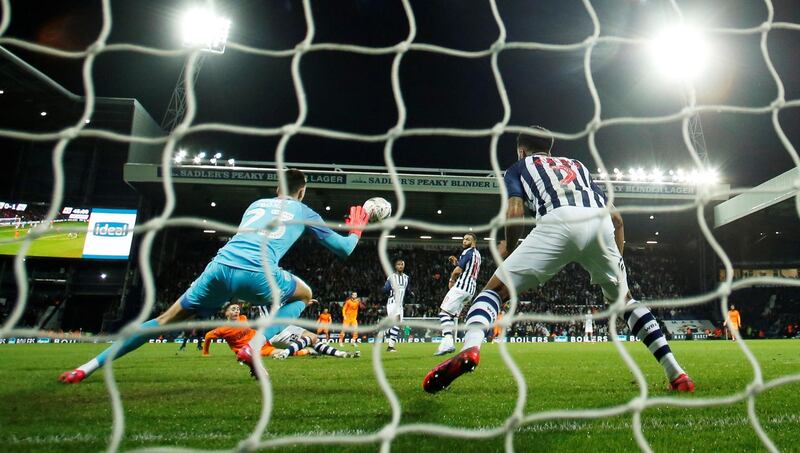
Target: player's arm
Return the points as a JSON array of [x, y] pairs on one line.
[[461, 264], [514, 232], [619, 230], [211, 335], [516, 210], [387, 287], [341, 246]]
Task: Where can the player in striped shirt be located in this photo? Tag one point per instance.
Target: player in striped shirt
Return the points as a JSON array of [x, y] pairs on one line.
[[572, 225], [396, 286], [462, 284]]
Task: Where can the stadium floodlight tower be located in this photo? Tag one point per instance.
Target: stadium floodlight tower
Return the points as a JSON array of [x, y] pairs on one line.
[[680, 54], [203, 29]]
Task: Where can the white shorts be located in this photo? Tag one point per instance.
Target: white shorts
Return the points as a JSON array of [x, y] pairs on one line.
[[286, 336], [394, 310], [564, 235], [454, 300]]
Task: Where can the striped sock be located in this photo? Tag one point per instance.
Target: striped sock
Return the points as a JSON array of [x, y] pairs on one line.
[[298, 344], [446, 320], [481, 317], [326, 349], [644, 325], [393, 333]]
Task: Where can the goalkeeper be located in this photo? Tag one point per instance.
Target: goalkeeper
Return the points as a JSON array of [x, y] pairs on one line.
[[239, 272]]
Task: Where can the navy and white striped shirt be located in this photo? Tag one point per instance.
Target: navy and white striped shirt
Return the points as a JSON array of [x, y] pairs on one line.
[[401, 282], [470, 264], [546, 183]]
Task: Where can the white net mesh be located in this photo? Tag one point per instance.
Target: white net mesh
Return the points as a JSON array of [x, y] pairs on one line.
[[394, 428]]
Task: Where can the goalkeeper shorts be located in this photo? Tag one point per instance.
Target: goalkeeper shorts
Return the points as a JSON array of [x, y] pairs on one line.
[[220, 283]]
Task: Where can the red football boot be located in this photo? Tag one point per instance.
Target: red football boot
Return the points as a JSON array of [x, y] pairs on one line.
[[245, 356], [448, 371], [72, 377], [682, 383]]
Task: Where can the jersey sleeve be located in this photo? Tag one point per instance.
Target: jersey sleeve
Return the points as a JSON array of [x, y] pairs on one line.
[[465, 258], [341, 246], [387, 287], [513, 183], [211, 335]]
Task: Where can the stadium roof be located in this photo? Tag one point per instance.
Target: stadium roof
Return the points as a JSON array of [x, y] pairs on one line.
[[352, 93]]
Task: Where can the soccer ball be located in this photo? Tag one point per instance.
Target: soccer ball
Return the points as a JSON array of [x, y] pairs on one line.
[[378, 209]]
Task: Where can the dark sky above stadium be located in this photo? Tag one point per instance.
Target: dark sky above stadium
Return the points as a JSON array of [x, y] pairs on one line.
[[351, 92]]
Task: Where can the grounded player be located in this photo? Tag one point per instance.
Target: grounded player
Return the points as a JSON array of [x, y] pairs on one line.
[[396, 286], [324, 321], [237, 270], [736, 322], [569, 209], [350, 317], [462, 284], [292, 337]]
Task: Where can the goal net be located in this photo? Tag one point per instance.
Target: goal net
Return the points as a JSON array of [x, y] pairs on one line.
[[385, 436]]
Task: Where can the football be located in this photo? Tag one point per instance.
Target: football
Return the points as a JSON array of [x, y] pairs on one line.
[[378, 209]]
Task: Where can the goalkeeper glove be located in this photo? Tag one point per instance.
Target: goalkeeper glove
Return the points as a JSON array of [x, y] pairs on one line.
[[358, 218]]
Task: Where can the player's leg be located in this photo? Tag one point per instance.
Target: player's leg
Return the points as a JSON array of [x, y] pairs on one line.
[[206, 295], [605, 265], [543, 253], [292, 289], [297, 339], [173, 314], [354, 337], [451, 306]]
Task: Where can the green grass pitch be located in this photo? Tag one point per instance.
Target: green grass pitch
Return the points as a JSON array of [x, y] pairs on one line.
[[56, 243], [211, 403]]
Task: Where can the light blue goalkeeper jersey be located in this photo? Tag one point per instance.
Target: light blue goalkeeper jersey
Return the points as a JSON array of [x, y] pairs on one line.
[[243, 251]]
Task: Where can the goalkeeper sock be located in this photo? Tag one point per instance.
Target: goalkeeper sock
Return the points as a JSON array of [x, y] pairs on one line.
[[298, 344], [392, 333], [644, 325], [481, 316], [128, 345], [326, 349]]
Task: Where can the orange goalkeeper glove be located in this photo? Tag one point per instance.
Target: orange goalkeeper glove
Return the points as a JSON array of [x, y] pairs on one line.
[[358, 218]]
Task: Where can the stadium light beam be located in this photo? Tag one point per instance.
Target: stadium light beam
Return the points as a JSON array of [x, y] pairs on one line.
[[205, 30], [679, 53]]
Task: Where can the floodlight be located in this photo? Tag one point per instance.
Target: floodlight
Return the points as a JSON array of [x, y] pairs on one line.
[[197, 159], [231, 162], [657, 175], [205, 30], [438, 211], [202, 155], [178, 159], [182, 152], [103, 276], [218, 156], [679, 52], [213, 204], [43, 114], [213, 161]]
